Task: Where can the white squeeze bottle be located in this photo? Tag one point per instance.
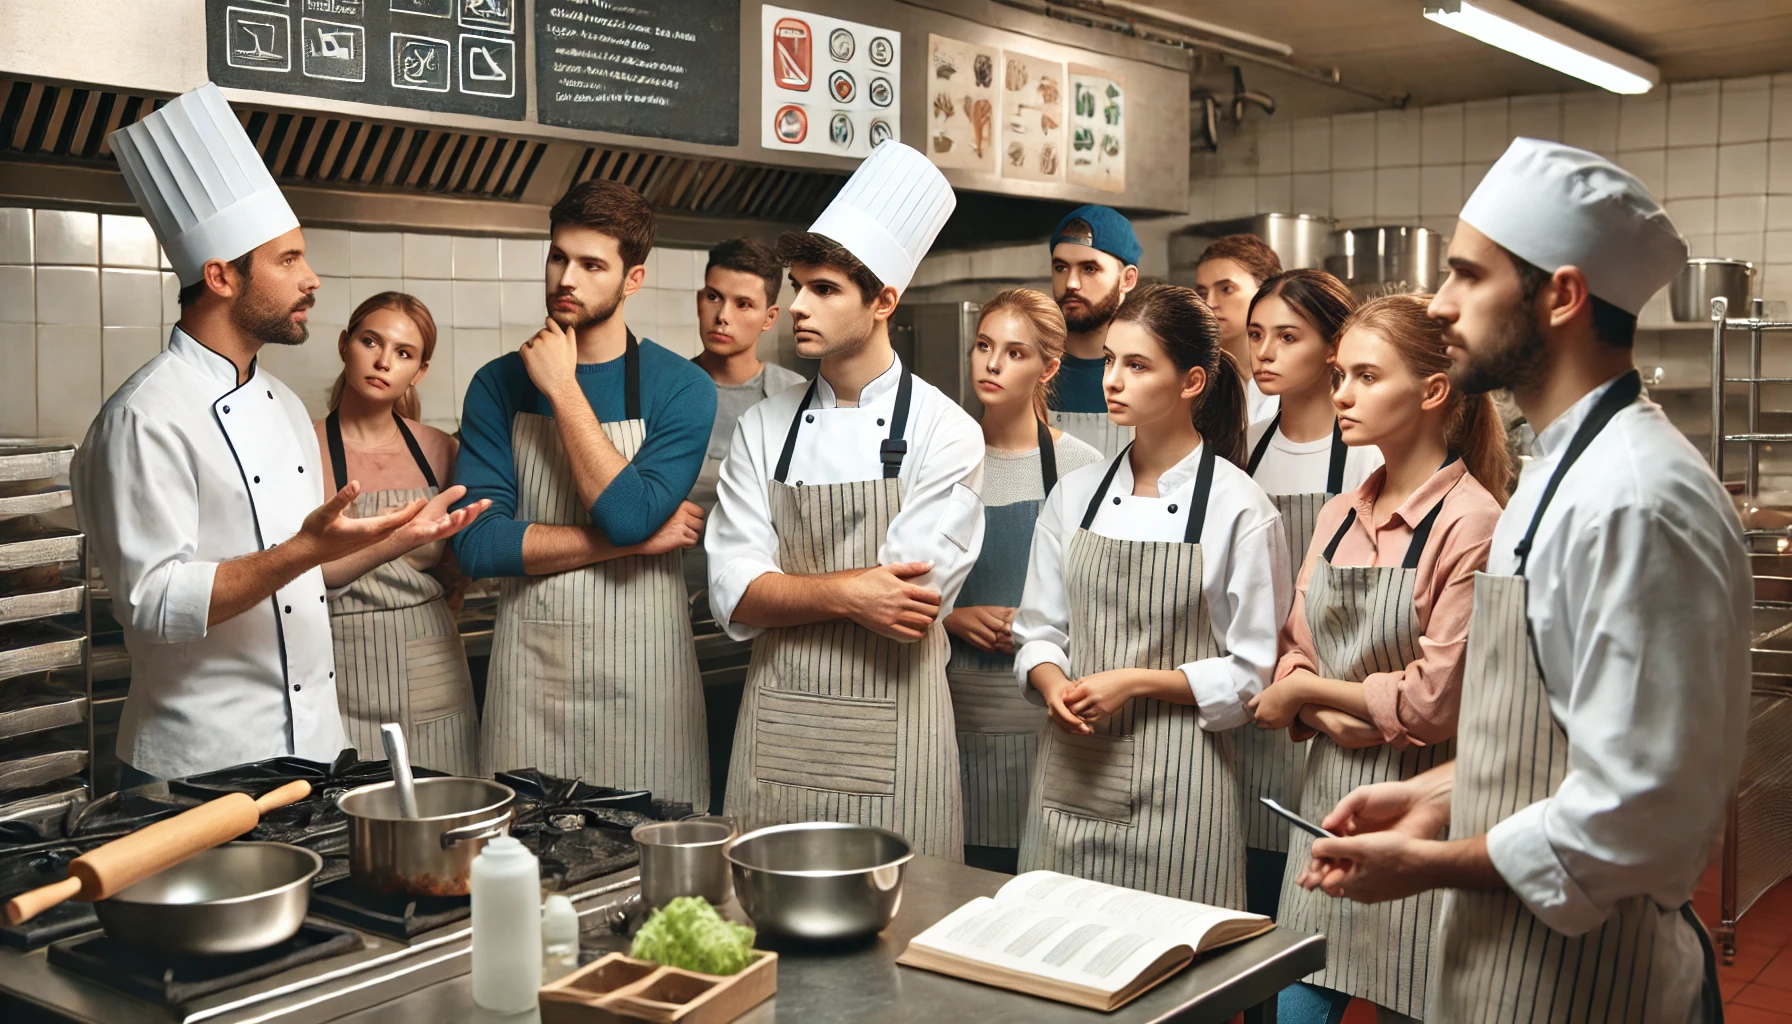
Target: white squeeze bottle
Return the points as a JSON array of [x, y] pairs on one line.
[[506, 926], [559, 938]]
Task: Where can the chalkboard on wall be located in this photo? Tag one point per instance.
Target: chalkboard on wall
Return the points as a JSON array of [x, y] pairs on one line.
[[669, 69], [453, 56]]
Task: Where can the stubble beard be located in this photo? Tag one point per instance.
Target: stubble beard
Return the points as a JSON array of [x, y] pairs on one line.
[[1512, 359], [1099, 312], [271, 323], [592, 317]]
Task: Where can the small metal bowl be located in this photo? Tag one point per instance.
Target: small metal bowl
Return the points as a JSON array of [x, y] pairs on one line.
[[817, 880], [230, 899]]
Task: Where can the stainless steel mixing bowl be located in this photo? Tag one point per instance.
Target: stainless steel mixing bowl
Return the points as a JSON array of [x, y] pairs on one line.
[[820, 879], [230, 899]]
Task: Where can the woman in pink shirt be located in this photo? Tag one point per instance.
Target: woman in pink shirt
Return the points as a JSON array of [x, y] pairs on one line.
[[1371, 661]]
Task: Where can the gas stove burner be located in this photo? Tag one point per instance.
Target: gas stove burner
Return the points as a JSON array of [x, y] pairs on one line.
[[177, 981], [395, 916]]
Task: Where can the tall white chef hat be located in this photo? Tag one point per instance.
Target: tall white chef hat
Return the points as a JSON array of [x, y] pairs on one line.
[[1556, 206], [889, 212], [200, 182]]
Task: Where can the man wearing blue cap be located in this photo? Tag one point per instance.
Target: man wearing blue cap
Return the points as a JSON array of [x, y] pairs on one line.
[[1095, 262]]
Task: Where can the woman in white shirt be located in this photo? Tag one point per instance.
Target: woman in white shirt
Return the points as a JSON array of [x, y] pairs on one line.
[[1156, 586], [1014, 363], [1299, 458]]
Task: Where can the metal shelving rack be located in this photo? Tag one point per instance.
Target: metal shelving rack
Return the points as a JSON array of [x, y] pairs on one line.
[[1757, 851]]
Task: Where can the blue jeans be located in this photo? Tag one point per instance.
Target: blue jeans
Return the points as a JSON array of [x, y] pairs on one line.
[[1302, 1003]]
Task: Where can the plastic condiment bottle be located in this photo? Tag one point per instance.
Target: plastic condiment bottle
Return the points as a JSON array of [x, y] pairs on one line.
[[506, 887], [559, 938]]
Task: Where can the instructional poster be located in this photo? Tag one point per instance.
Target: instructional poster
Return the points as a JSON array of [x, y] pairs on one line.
[[961, 100], [1032, 126], [1097, 129], [830, 86]]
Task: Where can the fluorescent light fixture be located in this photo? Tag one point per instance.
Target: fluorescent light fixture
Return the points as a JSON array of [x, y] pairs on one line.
[[1530, 35]]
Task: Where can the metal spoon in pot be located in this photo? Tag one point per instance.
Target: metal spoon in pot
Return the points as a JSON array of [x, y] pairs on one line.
[[392, 735]]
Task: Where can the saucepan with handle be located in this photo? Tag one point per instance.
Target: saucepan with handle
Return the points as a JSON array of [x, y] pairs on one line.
[[430, 854]]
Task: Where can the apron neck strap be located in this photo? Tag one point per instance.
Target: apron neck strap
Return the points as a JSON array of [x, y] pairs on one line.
[[1197, 503], [1334, 474], [1263, 444], [893, 448], [631, 379], [1415, 546], [1048, 460], [339, 453], [1616, 398]]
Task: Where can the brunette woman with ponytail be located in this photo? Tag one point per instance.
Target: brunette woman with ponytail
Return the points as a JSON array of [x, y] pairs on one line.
[[1155, 588], [1371, 666], [398, 652]]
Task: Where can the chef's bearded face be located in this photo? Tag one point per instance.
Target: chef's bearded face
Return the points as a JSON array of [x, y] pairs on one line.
[[274, 291], [587, 281], [1495, 333]]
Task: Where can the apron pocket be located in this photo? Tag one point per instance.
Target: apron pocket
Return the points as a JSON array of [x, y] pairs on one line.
[[436, 678], [548, 662], [837, 744], [1090, 776], [990, 702]]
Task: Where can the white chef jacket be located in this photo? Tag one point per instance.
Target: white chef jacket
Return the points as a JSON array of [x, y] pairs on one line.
[[1245, 578], [1640, 602], [181, 470], [942, 516], [1301, 467]]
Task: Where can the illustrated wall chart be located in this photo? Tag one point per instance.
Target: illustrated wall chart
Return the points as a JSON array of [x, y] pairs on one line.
[[454, 56], [830, 86], [1097, 129], [961, 99], [1032, 141]]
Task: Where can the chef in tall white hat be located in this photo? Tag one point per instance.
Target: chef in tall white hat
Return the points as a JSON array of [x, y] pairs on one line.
[[1607, 675], [847, 520], [198, 483]]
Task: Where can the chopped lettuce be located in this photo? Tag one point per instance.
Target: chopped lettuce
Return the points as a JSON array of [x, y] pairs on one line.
[[688, 933]]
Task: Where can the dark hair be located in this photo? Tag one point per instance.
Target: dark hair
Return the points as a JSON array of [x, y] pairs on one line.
[[806, 248], [1611, 325], [1190, 333], [1248, 251], [189, 294], [408, 404], [1472, 428], [1321, 299], [613, 209], [749, 256]]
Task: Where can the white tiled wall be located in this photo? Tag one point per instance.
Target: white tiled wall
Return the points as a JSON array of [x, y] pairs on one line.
[[85, 299]]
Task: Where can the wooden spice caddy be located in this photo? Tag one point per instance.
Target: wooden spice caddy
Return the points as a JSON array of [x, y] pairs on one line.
[[618, 989]]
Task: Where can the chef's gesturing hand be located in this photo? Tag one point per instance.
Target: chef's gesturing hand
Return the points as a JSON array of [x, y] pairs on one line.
[[1382, 825], [438, 520], [680, 531], [552, 358], [1374, 867], [983, 626], [884, 601], [330, 533]]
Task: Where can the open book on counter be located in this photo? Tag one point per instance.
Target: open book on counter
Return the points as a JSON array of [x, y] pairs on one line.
[[1080, 942]]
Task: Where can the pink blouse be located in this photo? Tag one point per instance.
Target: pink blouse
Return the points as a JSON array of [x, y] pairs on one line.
[[1419, 702]]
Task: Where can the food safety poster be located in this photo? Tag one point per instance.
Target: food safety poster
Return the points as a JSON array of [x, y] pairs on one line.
[[961, 99], [1097, 129], [830, 86], [1032, 117]]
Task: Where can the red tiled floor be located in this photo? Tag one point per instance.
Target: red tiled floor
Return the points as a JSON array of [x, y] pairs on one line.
[[1761, 997], [1736, 1013]]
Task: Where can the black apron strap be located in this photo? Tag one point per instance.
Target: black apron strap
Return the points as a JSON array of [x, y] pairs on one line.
[[1338, 538], [1615, 400], [1102, 491], [1197, 502], [1263, 444], [429, 475], [796, 423], [893, 448], [631, 379], [1421, 536], [338, 455], [1048, 459], [1334, 475]]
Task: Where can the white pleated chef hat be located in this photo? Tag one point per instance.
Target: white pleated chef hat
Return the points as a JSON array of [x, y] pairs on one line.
[[193, 170], [1555, 206], [889, 212]]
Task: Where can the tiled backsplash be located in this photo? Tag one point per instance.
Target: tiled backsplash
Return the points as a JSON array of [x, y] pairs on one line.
[[85, 299]]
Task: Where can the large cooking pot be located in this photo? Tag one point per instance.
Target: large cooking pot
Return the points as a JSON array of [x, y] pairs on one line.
[[430, 855], [230, 899], [1700, 281], [820, 880]]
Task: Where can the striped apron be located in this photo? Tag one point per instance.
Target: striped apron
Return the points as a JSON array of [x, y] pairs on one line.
[[398, 652], [998, 728], [1495, 961], [1095, 428], [593, 671], [839, 723], [1150, 799], [1362, 621], [1269, 762]]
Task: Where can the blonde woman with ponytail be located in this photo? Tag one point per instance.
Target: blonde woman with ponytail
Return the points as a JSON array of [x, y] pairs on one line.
[[1013, 364], [1372, 652], [1157, 582], [398, 652]]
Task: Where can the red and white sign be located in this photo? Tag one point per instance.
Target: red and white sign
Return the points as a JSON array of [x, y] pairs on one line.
[[791, 124], [793, 48], [824, 80]]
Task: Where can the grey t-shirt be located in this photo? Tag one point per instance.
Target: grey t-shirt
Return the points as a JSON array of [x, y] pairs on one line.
[[1009, 477], [732, 400]]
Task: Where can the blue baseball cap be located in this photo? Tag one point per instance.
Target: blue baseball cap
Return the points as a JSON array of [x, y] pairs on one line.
[[1110, 232]]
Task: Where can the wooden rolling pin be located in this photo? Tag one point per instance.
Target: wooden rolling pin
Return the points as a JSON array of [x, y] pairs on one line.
[[107, 870]]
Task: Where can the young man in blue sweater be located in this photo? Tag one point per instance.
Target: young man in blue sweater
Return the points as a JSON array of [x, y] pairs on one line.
[[587, 440]]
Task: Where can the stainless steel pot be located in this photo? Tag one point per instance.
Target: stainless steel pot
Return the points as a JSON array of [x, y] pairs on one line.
[[1298, 240], [230, 899], [1700, 281], [1390, 260], [431, 855], [820, 879], [684, 858]]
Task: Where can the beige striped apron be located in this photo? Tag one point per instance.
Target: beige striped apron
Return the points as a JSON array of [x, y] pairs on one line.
[[398, 651], [593, 671], [1495, 961], [1094, 428], [1269, 762], [839, 723], [1150, 800], [1362, 620]]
